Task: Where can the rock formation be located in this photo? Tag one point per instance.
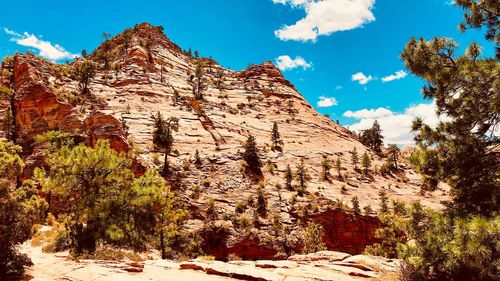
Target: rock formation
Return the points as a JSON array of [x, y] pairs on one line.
[[144, 72]]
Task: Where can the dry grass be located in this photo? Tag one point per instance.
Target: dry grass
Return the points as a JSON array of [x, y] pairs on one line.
[[388, 276]]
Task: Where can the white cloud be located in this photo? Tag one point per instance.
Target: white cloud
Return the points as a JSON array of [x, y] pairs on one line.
[[395, 126], [46, 49], [287, 63], [396, 76], [324, 17], [368, 113], [361, 78], [338, 88], [326, 101]]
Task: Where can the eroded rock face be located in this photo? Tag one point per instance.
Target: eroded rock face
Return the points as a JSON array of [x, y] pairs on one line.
[[99, 126], [36, 106], [37, 110], [346, 232]]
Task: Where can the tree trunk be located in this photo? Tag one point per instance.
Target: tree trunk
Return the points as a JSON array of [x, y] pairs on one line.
[[162, 245], [165, 165]]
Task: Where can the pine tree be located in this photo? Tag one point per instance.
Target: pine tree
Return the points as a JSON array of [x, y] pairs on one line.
[[8, 125], [325, 168], [251, 156], [355, 158], [288, 177], [372, 137], [355, 205], [261, 201], [394, 151], [338, 166], [124, 125], [109, 204], [312, 238], [199, 86], [162, 135], [83, 72], [20, 209], [383, 199], [275, 137], [302, 176], [366, 162], [466, 89], [461, 151]]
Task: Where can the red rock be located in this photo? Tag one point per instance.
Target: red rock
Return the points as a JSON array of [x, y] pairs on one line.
[[345, 232], [100, 126]]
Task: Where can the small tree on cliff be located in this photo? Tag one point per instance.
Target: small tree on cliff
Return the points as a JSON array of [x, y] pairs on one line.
[[394, 151], [338, 166], [251, 156], [372, 137], [355, 158], [302, 176], [288, 177], [355, 205], [83, 73], [8, 122], [275, 138], [199, 86], [325, 168], [366, 162], [163, 137], [383, 199]]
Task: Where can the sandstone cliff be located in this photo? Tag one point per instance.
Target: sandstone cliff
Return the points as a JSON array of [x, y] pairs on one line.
[[148, 73]]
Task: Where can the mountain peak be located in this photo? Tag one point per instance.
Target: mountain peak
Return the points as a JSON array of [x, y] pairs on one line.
[[144, 35]]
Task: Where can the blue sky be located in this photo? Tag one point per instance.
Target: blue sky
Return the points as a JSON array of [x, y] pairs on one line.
[[336, 39]]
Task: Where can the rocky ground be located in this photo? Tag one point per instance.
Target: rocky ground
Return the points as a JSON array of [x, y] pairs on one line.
[[325, 265], [153, 74]]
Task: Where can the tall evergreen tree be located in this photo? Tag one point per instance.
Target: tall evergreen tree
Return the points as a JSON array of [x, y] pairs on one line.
[[466, 89], [251, 156], [163, 135]]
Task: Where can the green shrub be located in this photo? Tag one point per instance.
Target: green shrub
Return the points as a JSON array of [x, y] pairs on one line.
[[312, 238]]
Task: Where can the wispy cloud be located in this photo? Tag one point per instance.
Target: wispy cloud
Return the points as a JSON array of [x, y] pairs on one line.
[[287, 63], [45, 49], [396, 76], [324, 17], [361, 78], [326, 101], [368, 113]]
